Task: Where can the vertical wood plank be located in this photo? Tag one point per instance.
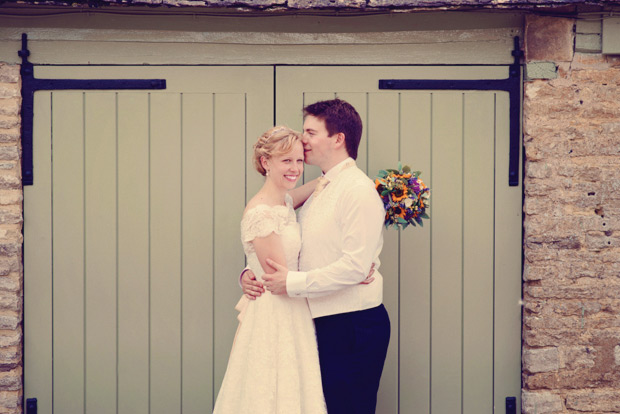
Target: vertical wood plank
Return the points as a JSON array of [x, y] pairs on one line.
[[446, 282], [259, 118], [508, 230], [197, 259], [415, 262], [478, 189], [100, 251], [166, 276], [383, 150], [38, 263], [68, 248], [229, 203], [133, 253]]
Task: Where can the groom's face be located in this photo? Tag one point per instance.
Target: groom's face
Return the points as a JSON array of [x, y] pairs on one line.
[[316, 140]]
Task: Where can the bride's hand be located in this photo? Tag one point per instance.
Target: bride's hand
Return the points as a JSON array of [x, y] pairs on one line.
[[369, 279], [251, 287]]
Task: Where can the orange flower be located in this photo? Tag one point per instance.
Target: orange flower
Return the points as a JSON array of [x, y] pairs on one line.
[[400, 197]]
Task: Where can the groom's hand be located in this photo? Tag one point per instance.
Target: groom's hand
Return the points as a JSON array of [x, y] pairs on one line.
[[276, 282], [251, 287]]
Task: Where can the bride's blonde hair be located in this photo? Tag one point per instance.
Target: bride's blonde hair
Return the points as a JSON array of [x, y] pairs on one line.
[[276, 141]]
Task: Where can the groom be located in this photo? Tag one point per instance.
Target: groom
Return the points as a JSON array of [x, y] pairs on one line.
[[341, 226]]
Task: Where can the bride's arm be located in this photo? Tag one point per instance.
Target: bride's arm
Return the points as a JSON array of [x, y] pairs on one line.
[[300, 194], [269, 247]]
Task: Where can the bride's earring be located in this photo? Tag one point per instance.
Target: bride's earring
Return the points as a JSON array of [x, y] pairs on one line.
[[267, 174]]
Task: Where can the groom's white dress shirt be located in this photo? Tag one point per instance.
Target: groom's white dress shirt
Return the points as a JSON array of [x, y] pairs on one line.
[[342, 235]]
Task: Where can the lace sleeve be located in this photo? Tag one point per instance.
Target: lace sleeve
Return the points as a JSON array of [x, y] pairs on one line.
[[261, 221]]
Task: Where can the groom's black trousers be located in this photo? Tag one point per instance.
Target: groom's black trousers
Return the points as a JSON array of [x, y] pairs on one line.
[[352, 349]]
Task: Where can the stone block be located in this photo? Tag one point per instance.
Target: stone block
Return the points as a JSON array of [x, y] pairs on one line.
[[11, 283], [9, 90], [541, 360], [10, 358], [11, 380], [548, 39], [588, 26], [594, 401], [9, 135], [10, 399], [10, 338], [577, 357], [11, 197], [9, 153], [9, 73], [10, 106], [588, 43], [322, 4], [10, 301], [7, 122], [10, 181], [9, 321], [541, 402], [541, 70]]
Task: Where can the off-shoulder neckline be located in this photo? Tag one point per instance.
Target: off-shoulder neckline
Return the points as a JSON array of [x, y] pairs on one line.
[[287, 199]]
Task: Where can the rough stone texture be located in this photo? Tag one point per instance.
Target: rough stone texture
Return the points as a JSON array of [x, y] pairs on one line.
[[590, 401], [541, 70], [11, 285], [278, 5], [571, 229], [541, 360], [540, 403], [548, 38]]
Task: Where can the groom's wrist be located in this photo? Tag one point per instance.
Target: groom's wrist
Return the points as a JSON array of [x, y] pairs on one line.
[[296, 284]]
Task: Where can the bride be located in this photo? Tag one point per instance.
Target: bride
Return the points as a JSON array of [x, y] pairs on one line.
[[273, 366]]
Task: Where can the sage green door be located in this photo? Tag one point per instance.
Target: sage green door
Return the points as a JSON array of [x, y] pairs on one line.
[[132, 237], [132, 248], [452, 288]]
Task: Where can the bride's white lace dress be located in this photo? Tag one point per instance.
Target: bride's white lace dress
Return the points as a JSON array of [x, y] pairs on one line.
[[274, 365]]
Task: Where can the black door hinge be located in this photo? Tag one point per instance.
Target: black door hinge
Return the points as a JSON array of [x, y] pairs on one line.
[[30, 85]]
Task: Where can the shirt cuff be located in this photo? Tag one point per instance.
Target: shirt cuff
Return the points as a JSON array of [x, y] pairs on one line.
[[296, 284]]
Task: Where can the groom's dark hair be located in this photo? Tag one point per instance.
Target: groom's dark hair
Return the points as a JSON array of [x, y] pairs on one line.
[[339, 116]]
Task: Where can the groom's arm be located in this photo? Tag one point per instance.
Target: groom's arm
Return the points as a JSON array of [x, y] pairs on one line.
[[361, 216]]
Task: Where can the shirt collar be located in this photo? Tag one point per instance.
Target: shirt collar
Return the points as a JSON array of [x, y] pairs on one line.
[[336, 169]]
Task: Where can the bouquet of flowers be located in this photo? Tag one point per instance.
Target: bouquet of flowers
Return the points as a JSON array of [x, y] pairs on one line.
[[405, 197]]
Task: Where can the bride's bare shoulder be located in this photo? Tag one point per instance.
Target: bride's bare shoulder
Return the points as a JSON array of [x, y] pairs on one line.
[[259, 200]]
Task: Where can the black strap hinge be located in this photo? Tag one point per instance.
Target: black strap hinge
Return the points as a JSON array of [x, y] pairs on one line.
[[30, 85], [512, 85]]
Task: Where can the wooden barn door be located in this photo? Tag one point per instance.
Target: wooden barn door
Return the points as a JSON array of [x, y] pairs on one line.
[[132, 247], [452, 287], [132, 237]]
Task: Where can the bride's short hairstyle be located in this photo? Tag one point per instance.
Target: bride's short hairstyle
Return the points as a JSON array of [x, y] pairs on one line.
[[276, 141]]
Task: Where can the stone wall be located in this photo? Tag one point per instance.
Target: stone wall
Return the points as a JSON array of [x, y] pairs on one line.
[[372, 5], [571, 318], [11, 292]]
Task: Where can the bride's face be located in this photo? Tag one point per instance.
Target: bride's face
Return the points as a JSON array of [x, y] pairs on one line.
[[285, 169]]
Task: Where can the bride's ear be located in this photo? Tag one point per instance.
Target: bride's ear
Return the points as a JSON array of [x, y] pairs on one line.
[[263, 162]]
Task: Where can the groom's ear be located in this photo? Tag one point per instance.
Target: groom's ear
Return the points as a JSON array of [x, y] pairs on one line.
[[340, 141]]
